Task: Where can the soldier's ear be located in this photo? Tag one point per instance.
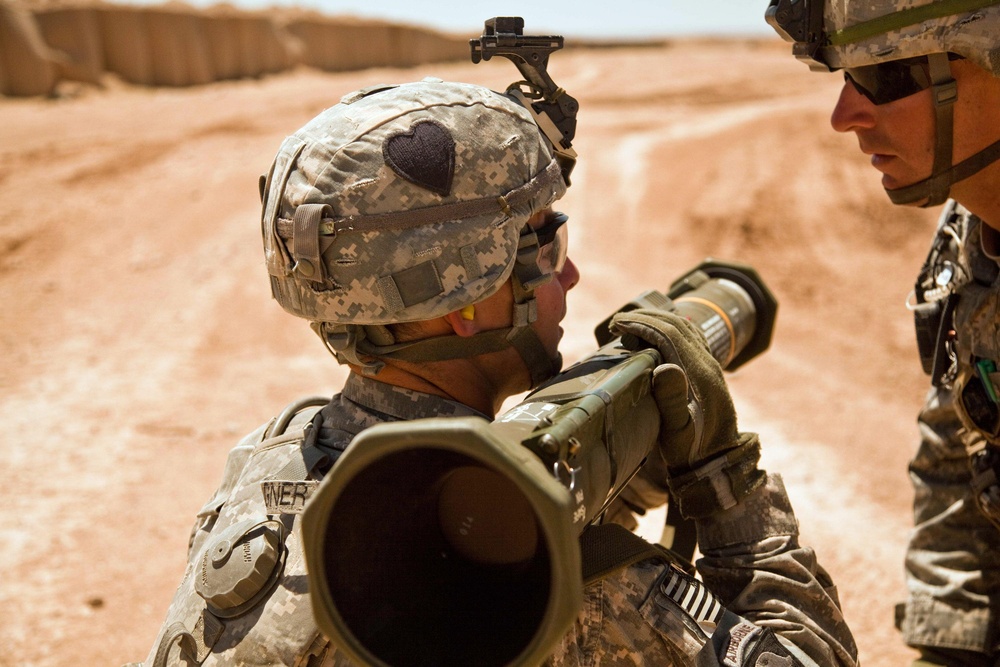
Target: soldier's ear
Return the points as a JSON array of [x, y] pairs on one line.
[[463, 322]]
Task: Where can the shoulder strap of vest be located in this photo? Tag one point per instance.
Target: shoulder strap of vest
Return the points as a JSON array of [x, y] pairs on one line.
[[282, 421], [933, 298], [240, 454], [299, 468]]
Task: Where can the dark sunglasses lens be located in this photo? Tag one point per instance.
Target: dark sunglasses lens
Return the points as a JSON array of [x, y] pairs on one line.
[[552, 257], [548, 231], [888, 82], [552, 240]]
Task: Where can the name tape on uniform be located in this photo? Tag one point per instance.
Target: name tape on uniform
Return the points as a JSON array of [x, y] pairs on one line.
[[287, 497]]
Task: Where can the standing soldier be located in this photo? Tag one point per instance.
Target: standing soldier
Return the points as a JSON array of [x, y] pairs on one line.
[[412, 226], [922, 94]]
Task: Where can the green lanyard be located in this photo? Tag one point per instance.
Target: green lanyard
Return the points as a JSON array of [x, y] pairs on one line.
[[904, 18]]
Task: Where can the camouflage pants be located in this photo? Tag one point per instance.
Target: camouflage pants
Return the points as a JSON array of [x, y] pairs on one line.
[[953, 557]]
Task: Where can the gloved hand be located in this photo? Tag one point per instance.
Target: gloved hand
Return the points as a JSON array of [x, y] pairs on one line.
[[711, 466]]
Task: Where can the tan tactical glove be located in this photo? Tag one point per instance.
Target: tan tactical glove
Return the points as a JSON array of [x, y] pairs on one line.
[[710, 465]]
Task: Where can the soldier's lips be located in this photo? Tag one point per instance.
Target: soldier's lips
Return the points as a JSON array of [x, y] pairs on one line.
[[881, 160], [877, 157], [884, 163], [894, 173]]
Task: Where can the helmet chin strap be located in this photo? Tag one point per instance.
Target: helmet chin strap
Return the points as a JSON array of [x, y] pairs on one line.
[[519, 336], [523, 339], [934, 190]]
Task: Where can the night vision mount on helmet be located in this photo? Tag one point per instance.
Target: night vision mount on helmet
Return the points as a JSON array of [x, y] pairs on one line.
[[553, 108]]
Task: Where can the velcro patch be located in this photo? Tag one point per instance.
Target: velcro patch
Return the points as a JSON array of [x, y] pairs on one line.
[[287, 497], [418, 283], [424, 156], [741, 638]]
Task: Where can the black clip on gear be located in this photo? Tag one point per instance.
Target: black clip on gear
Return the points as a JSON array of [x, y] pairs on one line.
[[552, 108], [800, 22]]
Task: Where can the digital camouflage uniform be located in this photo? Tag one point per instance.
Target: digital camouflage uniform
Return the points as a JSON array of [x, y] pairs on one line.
[[752, 562], [953, 558]]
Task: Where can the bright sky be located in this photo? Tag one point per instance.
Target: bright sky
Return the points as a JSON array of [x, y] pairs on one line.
[[586, 18]]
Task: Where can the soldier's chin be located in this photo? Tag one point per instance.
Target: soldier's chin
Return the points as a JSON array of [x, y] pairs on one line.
[[890, 184], [917, 203], [557, 355]]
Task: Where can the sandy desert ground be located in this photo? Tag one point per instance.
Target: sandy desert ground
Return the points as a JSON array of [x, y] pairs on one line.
[[138, 339]]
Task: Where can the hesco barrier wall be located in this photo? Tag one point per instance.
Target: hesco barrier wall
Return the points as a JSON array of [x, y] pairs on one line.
[[27, 65], [173, 45]]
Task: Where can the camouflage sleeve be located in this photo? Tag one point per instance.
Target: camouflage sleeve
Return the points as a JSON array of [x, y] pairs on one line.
[[953, 557], [753, 562]]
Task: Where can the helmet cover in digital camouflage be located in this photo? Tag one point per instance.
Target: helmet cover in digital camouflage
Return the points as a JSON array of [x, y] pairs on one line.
[[875, 31], [403, 203], [840, 34]]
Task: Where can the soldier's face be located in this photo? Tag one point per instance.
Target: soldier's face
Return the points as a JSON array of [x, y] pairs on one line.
[[496, 312], [899, 136], [551, 296]]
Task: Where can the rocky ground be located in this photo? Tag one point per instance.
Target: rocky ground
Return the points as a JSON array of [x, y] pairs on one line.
[[138, 339]]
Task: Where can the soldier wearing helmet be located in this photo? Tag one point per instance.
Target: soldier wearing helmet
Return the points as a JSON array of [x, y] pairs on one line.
[[344, 255], [412, 226], [922, 94]]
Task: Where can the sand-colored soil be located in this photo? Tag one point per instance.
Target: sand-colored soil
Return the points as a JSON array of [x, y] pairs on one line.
[[138, 339]]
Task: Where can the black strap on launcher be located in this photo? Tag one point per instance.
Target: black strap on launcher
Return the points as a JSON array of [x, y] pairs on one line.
[[609, 548]]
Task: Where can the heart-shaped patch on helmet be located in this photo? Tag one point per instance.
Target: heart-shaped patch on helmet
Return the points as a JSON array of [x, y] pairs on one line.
[[425, 156]]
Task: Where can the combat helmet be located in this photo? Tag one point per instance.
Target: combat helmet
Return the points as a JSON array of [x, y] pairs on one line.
[[405, 203], [841, 34]]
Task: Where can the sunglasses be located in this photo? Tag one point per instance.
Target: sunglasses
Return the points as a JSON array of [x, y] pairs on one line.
[[552, 244], [890, 81], [893, 80]]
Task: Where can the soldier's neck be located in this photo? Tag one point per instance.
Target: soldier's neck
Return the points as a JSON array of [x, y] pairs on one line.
[[462, 380], [980, 194]]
